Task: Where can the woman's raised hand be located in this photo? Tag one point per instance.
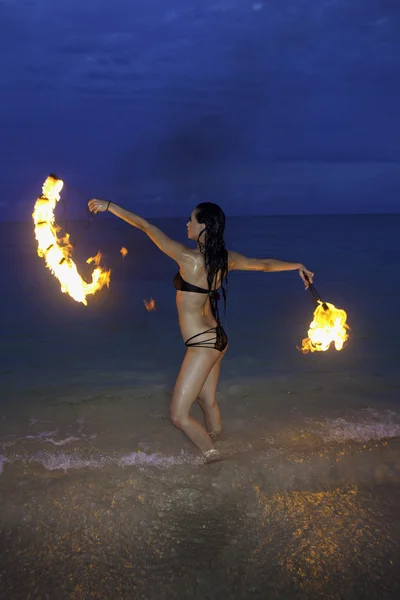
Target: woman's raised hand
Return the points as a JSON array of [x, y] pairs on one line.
[[96, 205]]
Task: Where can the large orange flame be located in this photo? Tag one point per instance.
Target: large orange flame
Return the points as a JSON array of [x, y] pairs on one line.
[[57, 252], [328, 326]]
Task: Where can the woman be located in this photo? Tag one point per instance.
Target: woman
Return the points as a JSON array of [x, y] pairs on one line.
[[202, 271]]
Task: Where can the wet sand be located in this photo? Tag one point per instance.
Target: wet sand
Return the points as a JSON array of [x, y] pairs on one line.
[[102, 498], [287, 517]]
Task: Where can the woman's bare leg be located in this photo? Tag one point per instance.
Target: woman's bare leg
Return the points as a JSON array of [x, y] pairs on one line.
[[194, 372], [207, 399]]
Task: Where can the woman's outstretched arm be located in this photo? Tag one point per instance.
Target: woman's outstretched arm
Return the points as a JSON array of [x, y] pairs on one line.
[[170, 247], [239, 262]]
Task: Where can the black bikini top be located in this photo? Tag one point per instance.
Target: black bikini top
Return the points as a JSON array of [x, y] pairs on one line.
[[184, 286]]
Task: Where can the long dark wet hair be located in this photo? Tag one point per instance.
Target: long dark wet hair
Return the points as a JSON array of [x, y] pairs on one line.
[[213, 249]]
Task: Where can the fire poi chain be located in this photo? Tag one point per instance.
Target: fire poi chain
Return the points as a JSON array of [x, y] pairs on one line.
[[57, 252]]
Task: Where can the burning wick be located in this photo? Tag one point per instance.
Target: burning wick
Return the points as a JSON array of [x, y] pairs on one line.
[[124, 251], [150, 304], [328, 326]]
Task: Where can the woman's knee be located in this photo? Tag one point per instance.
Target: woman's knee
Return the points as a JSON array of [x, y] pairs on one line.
[[207, 402], [178, 419]]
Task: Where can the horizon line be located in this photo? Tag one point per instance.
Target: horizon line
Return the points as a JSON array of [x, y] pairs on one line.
[[252, 216]]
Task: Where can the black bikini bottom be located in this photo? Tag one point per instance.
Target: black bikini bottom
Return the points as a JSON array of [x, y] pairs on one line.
[[219, 342]]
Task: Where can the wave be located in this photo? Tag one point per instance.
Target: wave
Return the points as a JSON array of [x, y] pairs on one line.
[[368, 426]]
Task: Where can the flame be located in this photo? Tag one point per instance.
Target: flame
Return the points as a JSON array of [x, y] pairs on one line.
[[329, 325], [57, 252], [150, 304], [124, 251]]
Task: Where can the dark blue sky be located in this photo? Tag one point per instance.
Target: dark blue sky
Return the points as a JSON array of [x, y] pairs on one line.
[[266, 106]]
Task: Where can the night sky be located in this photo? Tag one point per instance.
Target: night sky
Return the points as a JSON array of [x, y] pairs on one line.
[[265, 106]]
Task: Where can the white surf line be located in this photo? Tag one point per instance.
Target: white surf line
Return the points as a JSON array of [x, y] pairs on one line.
[[65, 462]]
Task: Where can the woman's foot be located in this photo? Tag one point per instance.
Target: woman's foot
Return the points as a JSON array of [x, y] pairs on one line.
[[211, 456]]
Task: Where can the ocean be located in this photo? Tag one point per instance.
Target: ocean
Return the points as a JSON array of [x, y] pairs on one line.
[[103, 498]]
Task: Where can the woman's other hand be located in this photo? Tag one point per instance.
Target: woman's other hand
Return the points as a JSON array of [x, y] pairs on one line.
[[306, 275], [96, 205]]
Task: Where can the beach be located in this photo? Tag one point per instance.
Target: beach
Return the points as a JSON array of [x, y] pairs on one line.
[[103, 498]]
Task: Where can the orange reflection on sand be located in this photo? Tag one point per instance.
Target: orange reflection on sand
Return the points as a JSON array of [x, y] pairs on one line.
[[317, 535]]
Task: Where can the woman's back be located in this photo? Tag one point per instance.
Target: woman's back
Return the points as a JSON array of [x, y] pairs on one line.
[[194, 309]]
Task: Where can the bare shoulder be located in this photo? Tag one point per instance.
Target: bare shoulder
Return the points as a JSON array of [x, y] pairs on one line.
[[235, 260]]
